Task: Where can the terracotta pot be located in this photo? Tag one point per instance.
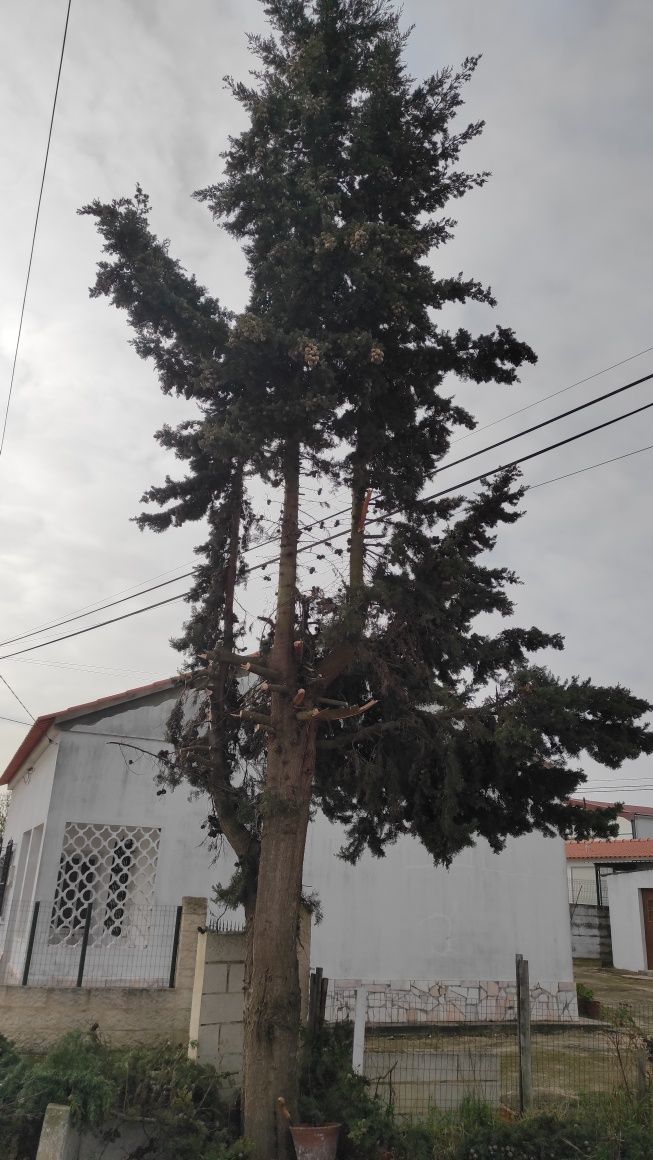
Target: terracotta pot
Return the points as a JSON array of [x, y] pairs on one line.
[[315, 1143]]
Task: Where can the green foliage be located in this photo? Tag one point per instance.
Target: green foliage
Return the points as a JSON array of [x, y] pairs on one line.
[[339, 188], [584, 993], [76, 1071], [180, 1103], [612, 1126], [599, 1129], [330, 1092]]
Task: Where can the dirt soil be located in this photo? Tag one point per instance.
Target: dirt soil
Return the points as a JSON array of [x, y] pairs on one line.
[[612, 986]]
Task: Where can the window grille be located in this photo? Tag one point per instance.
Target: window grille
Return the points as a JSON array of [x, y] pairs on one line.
[[113, 868]]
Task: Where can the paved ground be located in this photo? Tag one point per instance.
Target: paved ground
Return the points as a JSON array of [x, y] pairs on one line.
[[612, 986]]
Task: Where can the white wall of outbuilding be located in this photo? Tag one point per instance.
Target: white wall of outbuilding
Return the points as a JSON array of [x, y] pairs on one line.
[[393, 918]]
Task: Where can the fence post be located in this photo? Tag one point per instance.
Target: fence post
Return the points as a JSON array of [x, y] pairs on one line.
[[30, 942], [175, 948], [314, 1000], [82, 953], [524, 1035], [360, 1018], [642, 1072]]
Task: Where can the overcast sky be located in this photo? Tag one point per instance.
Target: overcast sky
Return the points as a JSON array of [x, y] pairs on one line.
[[562, 233]]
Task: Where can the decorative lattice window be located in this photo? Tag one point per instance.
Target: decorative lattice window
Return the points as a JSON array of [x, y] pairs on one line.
[[112, 868]]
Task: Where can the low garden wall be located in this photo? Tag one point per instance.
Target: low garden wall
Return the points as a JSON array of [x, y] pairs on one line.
[[36, 1017]]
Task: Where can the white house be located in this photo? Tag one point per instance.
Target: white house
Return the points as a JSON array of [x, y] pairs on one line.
[[588, 867], [86, 827]]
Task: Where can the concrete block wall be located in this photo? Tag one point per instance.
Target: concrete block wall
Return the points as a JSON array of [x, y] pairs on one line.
[[590, 933], [216, 1021], [217, 1018]]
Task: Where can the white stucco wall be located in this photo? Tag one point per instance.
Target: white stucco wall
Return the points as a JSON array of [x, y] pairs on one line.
[[626, 920], [394, 918], [32, 790], [29, 806], [94, 783], [400, 916]]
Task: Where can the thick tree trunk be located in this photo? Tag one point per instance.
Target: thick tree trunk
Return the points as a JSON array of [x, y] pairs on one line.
[[273, 1003]]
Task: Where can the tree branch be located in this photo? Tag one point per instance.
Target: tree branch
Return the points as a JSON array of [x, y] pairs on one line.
[[368, 731]]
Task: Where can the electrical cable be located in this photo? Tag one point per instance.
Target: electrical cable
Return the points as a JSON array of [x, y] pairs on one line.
[[101, 671], [467, 482], [36, 224], [345, 531], [553, 395], [100, 608], [93, 607], [590, 467], [318, 522], [16, 697]]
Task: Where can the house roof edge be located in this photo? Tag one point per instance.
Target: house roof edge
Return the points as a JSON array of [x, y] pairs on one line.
[[40, 727]]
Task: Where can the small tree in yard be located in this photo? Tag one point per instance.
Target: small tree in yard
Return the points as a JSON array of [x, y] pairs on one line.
[[380, 702]]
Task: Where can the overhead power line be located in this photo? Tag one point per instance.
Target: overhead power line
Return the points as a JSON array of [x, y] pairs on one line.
[[15, 696], [98, 608], [345, 531], [36, 225], [590, 467], [332, 515], [554, 394], [135, 590]]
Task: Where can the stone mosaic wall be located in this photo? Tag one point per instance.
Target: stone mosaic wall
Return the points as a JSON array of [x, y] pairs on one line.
[[410, 1001]]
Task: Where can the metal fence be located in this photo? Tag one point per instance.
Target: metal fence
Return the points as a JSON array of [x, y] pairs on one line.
[[582, 894], [93, 946], [525, 1055]]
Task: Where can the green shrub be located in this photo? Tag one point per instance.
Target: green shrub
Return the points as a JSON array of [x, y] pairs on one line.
[[330, 1092], [180, 1103], [600, 1128]]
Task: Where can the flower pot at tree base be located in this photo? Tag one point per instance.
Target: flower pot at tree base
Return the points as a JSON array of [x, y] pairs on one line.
[[315, 1143]]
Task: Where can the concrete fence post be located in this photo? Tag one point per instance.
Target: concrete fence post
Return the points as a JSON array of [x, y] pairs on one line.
[[198, 994], [524, 1035], [360, 1019], [193, 920], [59, 1140]]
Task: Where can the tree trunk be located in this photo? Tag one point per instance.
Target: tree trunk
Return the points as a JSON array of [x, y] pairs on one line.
[[273, 1003]]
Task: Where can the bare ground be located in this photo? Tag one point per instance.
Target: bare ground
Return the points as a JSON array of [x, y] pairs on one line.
[[615, 987]]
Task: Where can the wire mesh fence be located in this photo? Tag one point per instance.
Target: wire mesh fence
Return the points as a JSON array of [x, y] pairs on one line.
[[92, 946], [587, 894], [422, 1059]]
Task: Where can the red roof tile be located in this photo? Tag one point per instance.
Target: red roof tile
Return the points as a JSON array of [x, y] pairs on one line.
[[625, 811], [42, 724], [611, 850]]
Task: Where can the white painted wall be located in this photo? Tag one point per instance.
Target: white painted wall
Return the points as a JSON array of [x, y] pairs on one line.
[[28, 810], [626, 920], [394, 918], [94, 783], [401, 917]]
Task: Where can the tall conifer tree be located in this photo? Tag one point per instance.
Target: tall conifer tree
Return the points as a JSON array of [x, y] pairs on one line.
[[339, 189]]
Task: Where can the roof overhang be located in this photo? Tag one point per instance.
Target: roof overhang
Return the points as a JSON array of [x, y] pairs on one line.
[[42, 724]]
